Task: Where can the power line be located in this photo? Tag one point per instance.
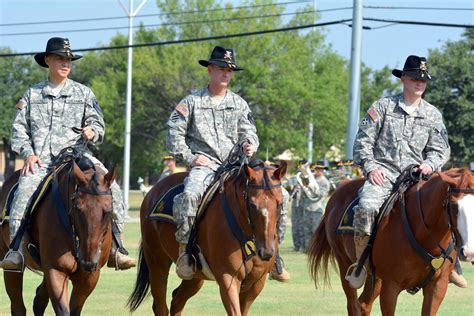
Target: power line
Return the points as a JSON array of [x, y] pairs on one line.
[[416, 8], [199, 39], [466, 26], [159, 14], [160, 24]]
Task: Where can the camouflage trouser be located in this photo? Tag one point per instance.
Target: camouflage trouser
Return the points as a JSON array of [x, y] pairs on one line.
[[371, 197], [297, 227], [310, 223], [281, 225], [186, 203], [28, 184]]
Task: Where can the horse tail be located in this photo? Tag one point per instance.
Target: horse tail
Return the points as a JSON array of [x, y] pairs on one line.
[[142, 284], [320, 253]]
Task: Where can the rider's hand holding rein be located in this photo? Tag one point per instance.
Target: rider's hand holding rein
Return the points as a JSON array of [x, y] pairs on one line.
[[248, 149], [29, 164], [88, 133], [425, 169]]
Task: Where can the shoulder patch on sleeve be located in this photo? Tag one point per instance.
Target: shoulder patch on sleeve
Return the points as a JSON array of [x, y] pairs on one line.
[[182, 108], [20, 104], [372, 112]]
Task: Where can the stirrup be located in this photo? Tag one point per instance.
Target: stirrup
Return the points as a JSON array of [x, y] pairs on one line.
[[22, 265], [356, 282]]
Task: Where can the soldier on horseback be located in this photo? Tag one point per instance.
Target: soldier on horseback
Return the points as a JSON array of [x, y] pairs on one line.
[[396, 132], [202, 130], [51, 116]]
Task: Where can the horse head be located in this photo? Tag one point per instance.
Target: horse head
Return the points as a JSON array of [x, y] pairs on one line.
[[264, 200], [460, 206], [91, 213]]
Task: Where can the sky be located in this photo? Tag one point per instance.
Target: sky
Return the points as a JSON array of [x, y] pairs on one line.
[[387, 45]]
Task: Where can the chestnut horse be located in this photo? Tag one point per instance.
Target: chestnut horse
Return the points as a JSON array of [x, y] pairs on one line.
[[436, 210], [254, 198], [76, 252]]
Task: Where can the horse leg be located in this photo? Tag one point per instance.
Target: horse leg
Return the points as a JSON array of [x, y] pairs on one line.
[[388, 297], [14, 287], [57, 284], [82, 286], [353, 305], [41, 299], [368, 296], [249, 296], [182, 293], [433, 295], [229, 287]]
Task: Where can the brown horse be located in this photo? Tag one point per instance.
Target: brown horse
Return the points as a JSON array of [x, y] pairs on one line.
[[254, 198], [437, 210], [76, 252]]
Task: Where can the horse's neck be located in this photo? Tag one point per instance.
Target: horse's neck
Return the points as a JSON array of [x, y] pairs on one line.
[[430, 210]]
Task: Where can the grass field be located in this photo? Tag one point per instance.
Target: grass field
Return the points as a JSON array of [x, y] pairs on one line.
[[298, 297]]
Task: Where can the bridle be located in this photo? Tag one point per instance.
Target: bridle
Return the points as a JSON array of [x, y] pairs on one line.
[[435, 262], [247, 243]]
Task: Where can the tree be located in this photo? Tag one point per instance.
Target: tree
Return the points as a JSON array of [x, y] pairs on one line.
[[452, 92], [18, 73]]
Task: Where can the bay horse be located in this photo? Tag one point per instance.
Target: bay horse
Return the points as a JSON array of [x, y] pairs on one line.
[[253, 195], [438, 213], [61, 253]]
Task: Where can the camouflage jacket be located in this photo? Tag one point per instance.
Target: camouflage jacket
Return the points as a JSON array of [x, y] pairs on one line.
[[312, 198], [198, 127], [390, 139], [43, 124]]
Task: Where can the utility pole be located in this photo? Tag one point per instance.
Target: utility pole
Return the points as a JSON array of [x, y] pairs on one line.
[[310, 142], [354, 85], [128, 108]]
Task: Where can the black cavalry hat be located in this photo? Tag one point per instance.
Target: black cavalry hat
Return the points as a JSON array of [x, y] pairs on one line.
[[223, 57], [415, 67], [58, 46]]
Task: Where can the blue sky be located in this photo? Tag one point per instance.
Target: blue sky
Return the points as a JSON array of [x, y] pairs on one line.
[[384, 46]]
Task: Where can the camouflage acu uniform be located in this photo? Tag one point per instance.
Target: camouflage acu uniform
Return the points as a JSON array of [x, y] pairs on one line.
[[281, 226], [314, 208], [196, 126], [297, 219], [391, 139], [43, 127]]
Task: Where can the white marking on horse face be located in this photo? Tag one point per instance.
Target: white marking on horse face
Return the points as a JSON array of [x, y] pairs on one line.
[[466, 225]]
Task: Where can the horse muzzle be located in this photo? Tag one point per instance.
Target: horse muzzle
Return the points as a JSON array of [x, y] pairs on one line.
[[265, 253]]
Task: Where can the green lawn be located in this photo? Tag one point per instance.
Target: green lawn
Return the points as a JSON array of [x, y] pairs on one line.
[[298, 297]]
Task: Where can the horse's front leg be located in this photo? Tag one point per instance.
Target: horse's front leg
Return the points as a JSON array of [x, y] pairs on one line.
[[369, 295], [14, 287], [41, 299], [57, 284], [83, 283], [433, 294], [229, 287], [249, 296], [388, 297]]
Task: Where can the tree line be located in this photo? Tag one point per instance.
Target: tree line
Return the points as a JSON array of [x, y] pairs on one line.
[[290, 79]]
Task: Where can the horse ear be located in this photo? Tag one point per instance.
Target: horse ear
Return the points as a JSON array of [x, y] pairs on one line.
[[281, 171], [249, 171], [79, 175], [111, 176], [446, 178]]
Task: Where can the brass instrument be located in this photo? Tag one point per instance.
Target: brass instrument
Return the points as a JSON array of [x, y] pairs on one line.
[[305, 179]]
